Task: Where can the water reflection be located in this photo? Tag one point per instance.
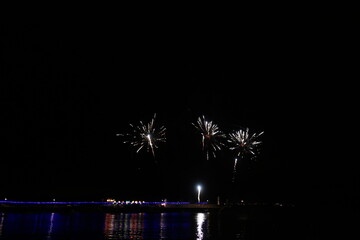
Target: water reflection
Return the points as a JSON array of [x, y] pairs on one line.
[[154, 226], [109, 224], [124, 226], [162, 226], [202, 225], [106, 226], [200, 219], [2, 217], [51, 225]]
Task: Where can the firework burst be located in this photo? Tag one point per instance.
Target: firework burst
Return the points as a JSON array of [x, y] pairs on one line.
[[145, 136], [244, 144], [212, 137]]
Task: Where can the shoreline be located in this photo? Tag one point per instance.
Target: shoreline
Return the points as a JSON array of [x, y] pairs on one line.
[[96, 207], [249, 211]]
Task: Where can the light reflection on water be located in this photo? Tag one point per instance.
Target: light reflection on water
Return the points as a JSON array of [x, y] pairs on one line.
[[155, 226], [106, 226], [52, 226], [2, 216], [200, 219], [124, 226]]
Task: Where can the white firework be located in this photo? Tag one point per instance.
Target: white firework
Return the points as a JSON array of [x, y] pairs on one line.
[[244, 144], [212, 137], [145, 136]]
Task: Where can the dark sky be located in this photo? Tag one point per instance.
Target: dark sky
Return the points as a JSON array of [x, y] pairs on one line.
[[68, 89]]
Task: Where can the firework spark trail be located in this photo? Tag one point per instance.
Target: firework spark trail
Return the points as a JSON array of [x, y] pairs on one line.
[[212, 137], [234, 170], [145, 135], [244, 144]]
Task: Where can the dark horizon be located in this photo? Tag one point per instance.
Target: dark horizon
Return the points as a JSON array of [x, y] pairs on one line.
[[69, 89]]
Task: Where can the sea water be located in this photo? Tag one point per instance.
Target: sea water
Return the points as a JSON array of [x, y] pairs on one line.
[[100, 226]]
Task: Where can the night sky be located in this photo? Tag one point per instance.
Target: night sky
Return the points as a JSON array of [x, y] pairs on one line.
[[67, 89]]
